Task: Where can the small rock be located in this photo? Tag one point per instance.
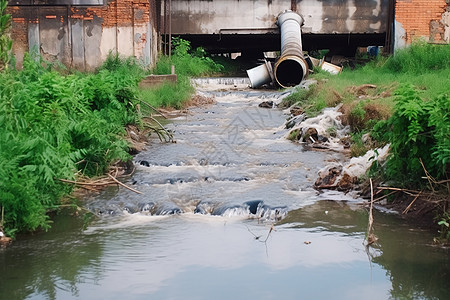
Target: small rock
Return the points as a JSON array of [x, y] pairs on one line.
[[322, 138], [266, 104], [144, 163], [4, 240], [134, 135], [296, 110], [290, 124], [328, 180]]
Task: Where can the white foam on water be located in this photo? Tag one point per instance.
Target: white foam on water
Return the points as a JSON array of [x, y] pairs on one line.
[[328, 119], [190, 216], [214, 84], [126, 220]]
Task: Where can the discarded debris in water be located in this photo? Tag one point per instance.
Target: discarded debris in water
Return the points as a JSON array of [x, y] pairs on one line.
[[317, 131], [343, 178]]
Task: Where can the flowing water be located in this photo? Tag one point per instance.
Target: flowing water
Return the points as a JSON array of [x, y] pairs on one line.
[[228, 211]]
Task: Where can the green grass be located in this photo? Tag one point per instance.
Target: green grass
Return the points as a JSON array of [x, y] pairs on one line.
[[168, 94], [426, 67], [188, 63], [409, 108]]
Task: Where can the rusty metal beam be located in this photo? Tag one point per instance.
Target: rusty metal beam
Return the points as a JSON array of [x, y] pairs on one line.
[[294, 5]]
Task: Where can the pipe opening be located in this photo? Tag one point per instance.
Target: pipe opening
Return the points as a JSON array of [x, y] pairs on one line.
[[289, 72]]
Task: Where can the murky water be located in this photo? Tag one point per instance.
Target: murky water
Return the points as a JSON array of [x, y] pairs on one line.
[[259, 230]]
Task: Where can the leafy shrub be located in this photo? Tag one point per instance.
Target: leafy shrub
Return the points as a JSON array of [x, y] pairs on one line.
[[54, 126], [5, 40], [186, 61], [418, 130]]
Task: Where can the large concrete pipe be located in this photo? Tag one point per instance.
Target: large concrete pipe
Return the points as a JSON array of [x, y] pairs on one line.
[[291, 68]]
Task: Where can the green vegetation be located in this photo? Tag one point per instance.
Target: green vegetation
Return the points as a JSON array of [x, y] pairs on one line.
[[371, 87], [57, 125], [444, 222], [54, 127], [188, 63], [5, 40], [374, 92], [403, 100], [419, 133]]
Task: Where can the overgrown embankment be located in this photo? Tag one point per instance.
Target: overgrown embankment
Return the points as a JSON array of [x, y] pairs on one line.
[[188, 63], [60, 126], [401, 100]]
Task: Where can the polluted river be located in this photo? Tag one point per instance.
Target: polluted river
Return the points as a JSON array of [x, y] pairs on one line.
[[227, 212]]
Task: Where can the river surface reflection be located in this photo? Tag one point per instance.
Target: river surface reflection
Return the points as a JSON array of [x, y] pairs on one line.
[[201, 257]]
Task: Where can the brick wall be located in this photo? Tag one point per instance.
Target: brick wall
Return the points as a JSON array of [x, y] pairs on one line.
[[82, 36], [118, 12], [421, 19]]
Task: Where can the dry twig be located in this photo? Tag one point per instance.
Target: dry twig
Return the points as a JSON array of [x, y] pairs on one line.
[[124, 185], [154, 108], [270, 231], [385, 196], [409, 206], [430, 178], [169, 135], [371, 238], [93, 183]]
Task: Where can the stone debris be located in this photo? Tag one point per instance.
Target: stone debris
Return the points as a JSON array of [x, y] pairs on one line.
[[344, 178], [267, 104]]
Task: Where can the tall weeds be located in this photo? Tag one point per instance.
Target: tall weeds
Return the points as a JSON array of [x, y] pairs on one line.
[[55, 126], [5, 39], [188, 63], [419, 58]]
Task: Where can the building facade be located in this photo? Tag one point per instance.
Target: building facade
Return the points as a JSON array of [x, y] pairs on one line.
[[81, 33]]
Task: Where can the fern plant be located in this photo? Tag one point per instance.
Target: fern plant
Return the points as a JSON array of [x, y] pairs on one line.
[[5, 40], [53, 126], [418, 130]]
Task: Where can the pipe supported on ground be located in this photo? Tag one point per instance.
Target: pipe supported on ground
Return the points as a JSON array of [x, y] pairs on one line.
[[291, 68]]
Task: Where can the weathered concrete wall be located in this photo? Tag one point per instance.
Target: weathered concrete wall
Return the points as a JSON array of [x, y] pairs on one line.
[[321, 16], [427, 20], [82, 36]]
